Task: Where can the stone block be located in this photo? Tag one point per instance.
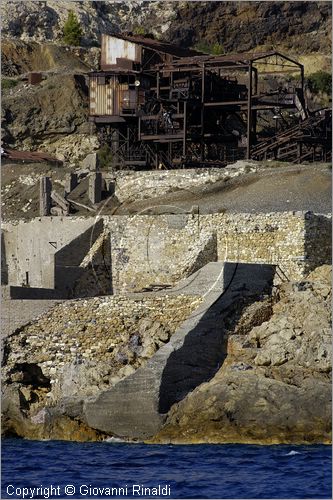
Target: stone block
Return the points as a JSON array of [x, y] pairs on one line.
[[91, 162], [71, 181]]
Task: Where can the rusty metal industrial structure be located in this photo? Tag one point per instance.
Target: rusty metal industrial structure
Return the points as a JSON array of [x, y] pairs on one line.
[[160, 106]]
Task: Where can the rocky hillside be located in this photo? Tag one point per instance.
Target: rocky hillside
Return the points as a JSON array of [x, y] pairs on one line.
[[51, 116], [32, 41], [275, 384], [19, 57], [300, 27], [42, 21]]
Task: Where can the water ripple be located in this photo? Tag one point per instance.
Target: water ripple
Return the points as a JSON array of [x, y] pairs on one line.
[[197, 471]]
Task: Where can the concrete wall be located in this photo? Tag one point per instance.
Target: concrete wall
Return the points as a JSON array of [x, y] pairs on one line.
[[31, 247]]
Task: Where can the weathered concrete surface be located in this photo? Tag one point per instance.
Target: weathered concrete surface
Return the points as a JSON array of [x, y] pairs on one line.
[[48, 252], [31, 247], [136, 406]]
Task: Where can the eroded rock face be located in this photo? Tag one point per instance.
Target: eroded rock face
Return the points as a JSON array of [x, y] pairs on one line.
[[236, 26], [24, 415], [51, 117], [275, 385]]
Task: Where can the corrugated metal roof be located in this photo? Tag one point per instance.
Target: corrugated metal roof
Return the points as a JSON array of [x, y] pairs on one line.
[[114, 71], [157, 45], [244, 58]]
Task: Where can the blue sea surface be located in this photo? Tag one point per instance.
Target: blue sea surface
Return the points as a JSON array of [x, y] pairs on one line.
[[195, 471]]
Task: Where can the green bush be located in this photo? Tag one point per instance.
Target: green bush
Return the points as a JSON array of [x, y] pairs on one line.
[[217, 49], [321, 81], [139, 30], [104, 157], [214, 49], [7, 83], [72, 31]]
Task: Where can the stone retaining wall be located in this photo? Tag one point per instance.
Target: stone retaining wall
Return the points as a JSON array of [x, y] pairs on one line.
[[163, 248], [74, 253]]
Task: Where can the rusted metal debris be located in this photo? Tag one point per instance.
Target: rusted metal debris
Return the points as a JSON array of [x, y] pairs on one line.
[[27, 156], [160, 107], [35, 78], [307, 141]]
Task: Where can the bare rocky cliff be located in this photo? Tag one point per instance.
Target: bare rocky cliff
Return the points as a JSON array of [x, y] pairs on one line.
[[300, 27], [43, 21]]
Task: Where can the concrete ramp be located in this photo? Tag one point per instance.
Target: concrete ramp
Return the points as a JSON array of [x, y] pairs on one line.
[[137, 406]]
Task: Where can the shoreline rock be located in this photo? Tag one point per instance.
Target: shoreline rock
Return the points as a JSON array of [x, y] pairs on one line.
[[274, 386]]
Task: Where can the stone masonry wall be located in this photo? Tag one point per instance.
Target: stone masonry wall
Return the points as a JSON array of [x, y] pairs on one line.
[[160, 249], [150, 249], [272, 238]]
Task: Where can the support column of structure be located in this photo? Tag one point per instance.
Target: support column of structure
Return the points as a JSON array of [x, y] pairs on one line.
[[70, 183], [203, 113], [249, 113], [185, 128], [45, 189], [95, 187], [254, 112]]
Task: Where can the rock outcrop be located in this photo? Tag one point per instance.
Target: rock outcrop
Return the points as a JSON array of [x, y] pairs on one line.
[[42, 21], [51, 116], [275, 384], [235, 26]]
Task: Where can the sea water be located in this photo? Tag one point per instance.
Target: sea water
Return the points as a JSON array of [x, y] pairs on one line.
[[60, 469]]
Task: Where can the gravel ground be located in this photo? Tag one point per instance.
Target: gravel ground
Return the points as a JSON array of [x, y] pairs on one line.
[[306, 187], [271, 189]]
